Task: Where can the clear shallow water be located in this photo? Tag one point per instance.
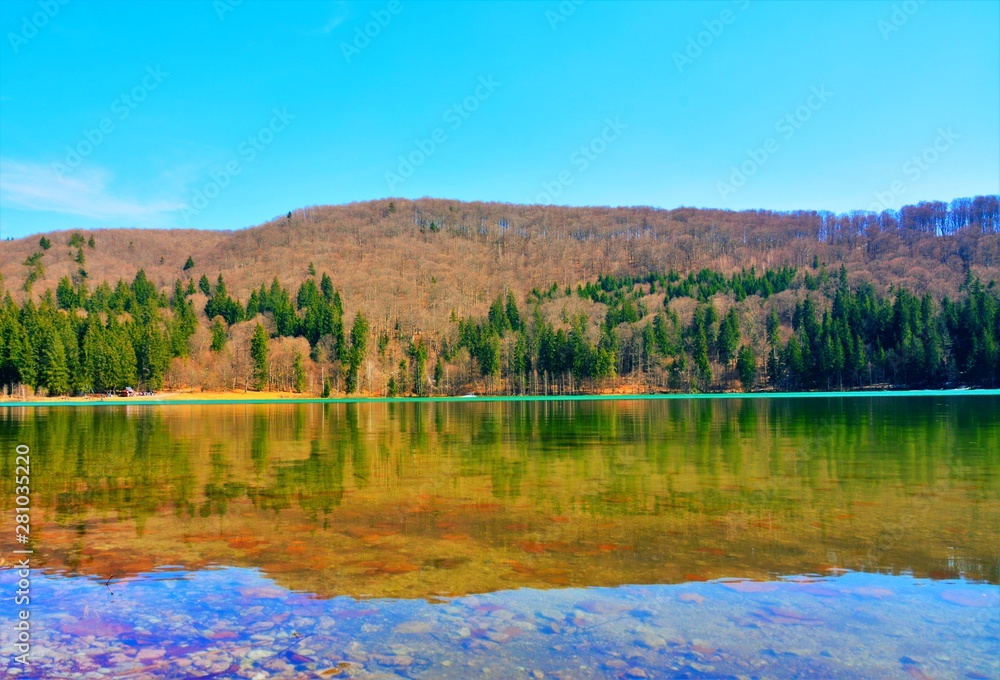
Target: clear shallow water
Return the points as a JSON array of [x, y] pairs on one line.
[[567, 539], [200, 624]]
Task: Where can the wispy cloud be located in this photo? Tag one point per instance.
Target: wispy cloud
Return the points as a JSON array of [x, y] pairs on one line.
[[33, 186], [340, 14]]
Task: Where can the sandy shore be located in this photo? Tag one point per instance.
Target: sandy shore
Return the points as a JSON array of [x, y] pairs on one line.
[[239, 396], [184, 395]]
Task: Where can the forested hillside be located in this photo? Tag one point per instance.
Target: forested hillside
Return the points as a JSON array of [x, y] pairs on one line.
[[441, 297]]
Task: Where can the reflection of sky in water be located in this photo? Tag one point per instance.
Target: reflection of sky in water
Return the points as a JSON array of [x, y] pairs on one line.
[[236, 623]]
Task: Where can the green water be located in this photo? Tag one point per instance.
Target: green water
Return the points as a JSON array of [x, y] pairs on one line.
[[832, 536]]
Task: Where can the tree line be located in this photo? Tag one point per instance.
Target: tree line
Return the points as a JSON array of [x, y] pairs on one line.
[[776, 329], [835, 337]]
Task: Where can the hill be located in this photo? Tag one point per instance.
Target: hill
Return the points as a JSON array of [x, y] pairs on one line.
[[430, 256], [415, 268]]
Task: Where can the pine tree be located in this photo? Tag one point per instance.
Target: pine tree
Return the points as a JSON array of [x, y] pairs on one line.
[[699, 349], [513, 315], [189, 264], [258, 354], [359, 342], [326, 287], [498, 316], [773, 326], [746, 366], [54, 373], [218, 330], [729, 337], [438, 372], [152, 353], [204, 286], [418, 360], [118, 361], [300, 373], [66, 294]]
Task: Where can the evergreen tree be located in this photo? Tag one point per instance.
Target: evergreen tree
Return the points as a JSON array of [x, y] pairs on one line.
[[258, 355], [326, 287], [54, 370], [299, 372], [729, 337], [218, 331], [773, 327], [359, 342], [66, 295], [699, 343], [746, 366], [438, 372], [418, 360], [152, 352], [513, 315]]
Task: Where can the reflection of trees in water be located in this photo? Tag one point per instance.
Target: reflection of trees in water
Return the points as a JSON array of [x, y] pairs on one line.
[[614, 457]]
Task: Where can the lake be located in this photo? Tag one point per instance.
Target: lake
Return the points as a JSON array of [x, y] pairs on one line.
[[834, 537]]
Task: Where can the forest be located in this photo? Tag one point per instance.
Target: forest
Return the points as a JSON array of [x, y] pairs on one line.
[[785, 329]]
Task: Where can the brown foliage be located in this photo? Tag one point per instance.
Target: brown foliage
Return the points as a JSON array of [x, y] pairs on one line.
[[410, 264]]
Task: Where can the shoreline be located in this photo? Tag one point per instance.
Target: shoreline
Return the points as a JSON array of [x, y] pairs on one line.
[[208, 398]]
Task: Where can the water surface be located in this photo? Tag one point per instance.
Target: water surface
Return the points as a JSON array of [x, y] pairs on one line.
[[832, 537]]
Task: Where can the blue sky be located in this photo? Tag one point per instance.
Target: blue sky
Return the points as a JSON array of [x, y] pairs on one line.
[[224, 114]]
